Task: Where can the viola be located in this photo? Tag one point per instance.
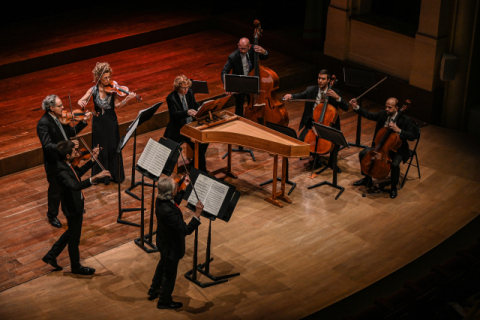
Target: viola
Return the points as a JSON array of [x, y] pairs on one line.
[[377, 163], [181, 183], [326, 114], [76, 115], [265, 104], [121, 91], [84, 155]]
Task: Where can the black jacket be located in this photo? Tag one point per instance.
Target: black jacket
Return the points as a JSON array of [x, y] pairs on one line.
[[409, 130], [178, 116], [171, 229], [49, 134], [70, 187], [312, 93], [234, 62]]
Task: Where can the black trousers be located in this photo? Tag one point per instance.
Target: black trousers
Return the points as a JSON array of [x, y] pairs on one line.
[[202, 161], [53, 193], [239, 101], [165, 276], [72, 238], [396, 161]]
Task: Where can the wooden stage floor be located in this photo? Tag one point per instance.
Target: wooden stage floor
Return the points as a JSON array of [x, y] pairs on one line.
[[293, 261]]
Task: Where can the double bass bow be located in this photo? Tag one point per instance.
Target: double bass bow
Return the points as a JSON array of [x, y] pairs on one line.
[[377, 163], [265, 104]]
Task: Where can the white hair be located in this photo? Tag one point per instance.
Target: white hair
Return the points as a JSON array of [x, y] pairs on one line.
[[166, 187], [49, 102]]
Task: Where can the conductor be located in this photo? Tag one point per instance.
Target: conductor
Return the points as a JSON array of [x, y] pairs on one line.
[[171, 233]]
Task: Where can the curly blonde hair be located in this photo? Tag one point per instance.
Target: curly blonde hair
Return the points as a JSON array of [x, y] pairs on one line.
[[101, 68], [181, 80]]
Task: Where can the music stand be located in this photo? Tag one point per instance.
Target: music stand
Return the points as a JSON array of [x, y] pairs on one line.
[[291, 133], [336, 137], [362, 80], [143, 116], [199, 86], [225, 213], [241, 85]]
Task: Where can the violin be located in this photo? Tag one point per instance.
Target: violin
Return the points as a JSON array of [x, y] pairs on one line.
[[84, 155], [265, 104], [181, 183], [377, 163], [326, 114], [121, 91], [78, 115]]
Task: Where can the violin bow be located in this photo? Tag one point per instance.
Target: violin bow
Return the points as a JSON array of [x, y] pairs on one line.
[[193, 185], [376, 84], [71, 110], [91, 153]]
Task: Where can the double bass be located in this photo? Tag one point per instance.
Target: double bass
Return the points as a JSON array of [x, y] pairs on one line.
[[265, 105], [377, 163], [326, 114]]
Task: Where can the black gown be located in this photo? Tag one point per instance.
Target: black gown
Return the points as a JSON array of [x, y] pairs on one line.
[[105, 133]]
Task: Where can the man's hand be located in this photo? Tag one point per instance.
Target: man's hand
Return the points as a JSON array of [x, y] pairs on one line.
[[259, 49], [187, 180], [332, 94], [103, 174], [198, 209], [228, 93], [287, 97], [191, 112], [95, 152], [353, 103], [394, 127], [76, 144]]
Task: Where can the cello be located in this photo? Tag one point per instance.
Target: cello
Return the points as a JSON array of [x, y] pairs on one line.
[[265, 104], [377, 163], [326, 114]]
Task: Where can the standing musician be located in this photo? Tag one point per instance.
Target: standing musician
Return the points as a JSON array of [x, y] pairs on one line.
[[240, 62], [50, 131], [318, 93], [398, 122], [73, 201], [105, 130], [182, 107], [171, 233]]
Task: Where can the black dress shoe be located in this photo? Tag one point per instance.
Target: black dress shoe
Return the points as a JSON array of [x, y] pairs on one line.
[[55, 222], [153, 293], [338, 169], [393, 193], [86, 271], [51, 261], [361, 182], [169, 305]]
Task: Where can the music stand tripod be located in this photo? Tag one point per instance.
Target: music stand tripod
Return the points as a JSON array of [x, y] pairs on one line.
[[338, 139]]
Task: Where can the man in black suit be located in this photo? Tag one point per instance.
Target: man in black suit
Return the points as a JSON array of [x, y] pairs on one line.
[[73, 200], [317, 93], [182, 107], [398, 122], [50, 132], [240, 62], [171, 233]]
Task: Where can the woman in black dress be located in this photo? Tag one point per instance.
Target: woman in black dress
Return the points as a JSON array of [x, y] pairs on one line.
[[105, 131]]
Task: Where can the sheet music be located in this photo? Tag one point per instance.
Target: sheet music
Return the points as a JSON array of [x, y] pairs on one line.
[[204, 103], [154, 157], [211, 194]]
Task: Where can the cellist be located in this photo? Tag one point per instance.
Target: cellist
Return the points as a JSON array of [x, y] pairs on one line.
[[318, 93], [399, 123]]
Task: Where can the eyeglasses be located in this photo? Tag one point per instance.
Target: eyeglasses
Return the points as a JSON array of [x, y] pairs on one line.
[[184, 88]]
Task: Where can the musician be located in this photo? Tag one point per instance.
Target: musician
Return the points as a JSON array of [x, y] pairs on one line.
[[50, 131], [240, 62], [182, 107], [171, 233], [398, 122], [105, 130], [318, 93], [73, 199]]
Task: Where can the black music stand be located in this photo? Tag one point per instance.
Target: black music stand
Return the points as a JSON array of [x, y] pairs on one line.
[[199, 86], [291, 133], [147, 239], [336, 137], [143, 116], [224, 214], [242, 85], [362, 80]]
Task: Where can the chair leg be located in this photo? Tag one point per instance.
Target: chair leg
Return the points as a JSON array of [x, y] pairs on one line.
[[418, 166], [406, 173]]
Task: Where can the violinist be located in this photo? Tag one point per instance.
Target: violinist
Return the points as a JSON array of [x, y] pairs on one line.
[[105, 131], [50, 131], [318, 93], [399, 123], [73, 201], [182, 107]]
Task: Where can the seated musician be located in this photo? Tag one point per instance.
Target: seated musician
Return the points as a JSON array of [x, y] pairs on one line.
[[171, 233], [73, 201], [318, 93], [182, 107], [398, 122]]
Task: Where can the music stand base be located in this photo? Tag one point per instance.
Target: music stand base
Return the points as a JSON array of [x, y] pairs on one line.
[[146, 242], [189, 277], [331, 185], [241, 150], [201, 269], [128, 223], [136, 184]]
